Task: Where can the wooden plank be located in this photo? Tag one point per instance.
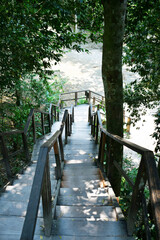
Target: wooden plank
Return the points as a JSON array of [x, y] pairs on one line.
[[97, 129], [6, 158], [34, 128], [42, 123], [40, 111], [103, 149], [49, 123], [99, 118], [94, 125], [28, 121], [123, 174], [61, 147], [33, 205], [136, 197], [50, 142], [47, 200], [58, 163], [55, 113], [100, 147], [126, 143], [66, 93], [154, 186], [55, 199], [98, 94], [66, 131], [25, 146], [76, 95], [12, 132]]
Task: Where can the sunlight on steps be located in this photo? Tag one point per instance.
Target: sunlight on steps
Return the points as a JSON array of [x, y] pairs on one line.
[[85, 209]]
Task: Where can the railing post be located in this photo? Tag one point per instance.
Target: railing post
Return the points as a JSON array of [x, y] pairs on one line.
[[58, 114], [103, 142], [55, 113], [89, 115], [42, 123], [61, 147], [66, 128], [25, 145], [73, 114], [97, 128], [49, 123], [136, 197], [76, 98], [58, 163], [34, 129], [70, 124], [51, 114], [47, 200], [94, 125], [89, 96], [94, 101], [5, 158], [100, 147], [91, 123]]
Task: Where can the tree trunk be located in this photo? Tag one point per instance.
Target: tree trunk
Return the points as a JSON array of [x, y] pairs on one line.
[[114, 16]]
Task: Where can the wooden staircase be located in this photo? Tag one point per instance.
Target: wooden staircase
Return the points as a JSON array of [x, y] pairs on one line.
[[86, 206]]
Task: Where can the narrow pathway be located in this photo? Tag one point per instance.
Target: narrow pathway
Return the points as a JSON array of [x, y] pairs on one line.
[[86, 210]]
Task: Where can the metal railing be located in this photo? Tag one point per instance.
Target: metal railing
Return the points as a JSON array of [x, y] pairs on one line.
[[147, 174], [42, 184]]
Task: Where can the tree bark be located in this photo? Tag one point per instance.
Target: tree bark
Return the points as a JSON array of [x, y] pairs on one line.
[[114, 19]]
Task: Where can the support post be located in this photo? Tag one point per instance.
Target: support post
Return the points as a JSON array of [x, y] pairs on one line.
[[76, 97], [47, 200], [94, 101], [5, 158], [42, 123], [136, 197], [25, 145], [89, 97], [58, 163], [61, 147], [49, 123], [34, 128], [97, 128]]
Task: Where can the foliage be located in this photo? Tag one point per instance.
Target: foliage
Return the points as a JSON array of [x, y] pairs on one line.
[[156, 134], [82, 101], [32, 34], [125, 199], [142, 54], [90, 18], [35, 93]]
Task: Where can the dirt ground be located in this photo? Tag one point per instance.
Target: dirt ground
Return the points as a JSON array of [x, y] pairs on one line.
[[82, 71]]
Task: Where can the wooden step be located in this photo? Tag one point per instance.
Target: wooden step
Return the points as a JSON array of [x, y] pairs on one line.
[[86, 228], [105, 213], [89, 238], [83, 184], [80, 170], [84, 200], [79, 191]]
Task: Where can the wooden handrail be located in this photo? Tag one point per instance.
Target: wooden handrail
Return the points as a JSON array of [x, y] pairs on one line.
[[24, 133], [88, 95], [147, 172], [42, 185]]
